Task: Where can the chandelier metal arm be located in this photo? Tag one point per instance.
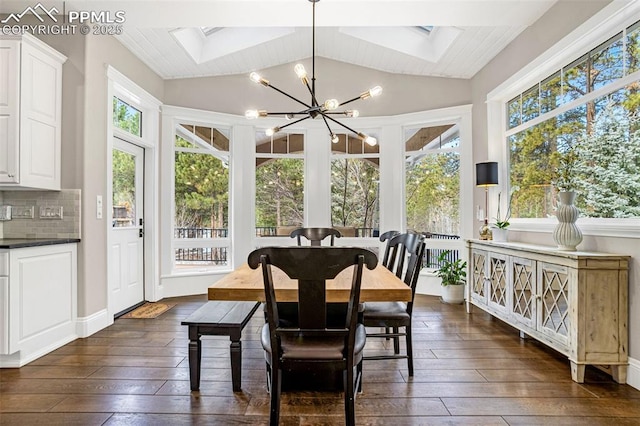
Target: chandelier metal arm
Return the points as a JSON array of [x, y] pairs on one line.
[[315, 109], [339, 123], [314, 101], [350, 100], [324, 118], [289, 96], [294, 122]]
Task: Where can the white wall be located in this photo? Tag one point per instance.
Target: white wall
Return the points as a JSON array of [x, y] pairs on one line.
[[561, 19]]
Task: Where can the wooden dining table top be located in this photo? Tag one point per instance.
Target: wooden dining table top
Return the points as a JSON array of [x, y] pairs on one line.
[[244, 283]]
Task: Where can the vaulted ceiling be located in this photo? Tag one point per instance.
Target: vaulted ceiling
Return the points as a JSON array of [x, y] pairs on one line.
[[446, 38]]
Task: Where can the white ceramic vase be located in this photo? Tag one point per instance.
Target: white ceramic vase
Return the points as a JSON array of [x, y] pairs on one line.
[[567, 235], [500, 234]]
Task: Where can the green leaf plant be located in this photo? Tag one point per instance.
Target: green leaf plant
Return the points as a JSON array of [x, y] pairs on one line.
[[452, 272]]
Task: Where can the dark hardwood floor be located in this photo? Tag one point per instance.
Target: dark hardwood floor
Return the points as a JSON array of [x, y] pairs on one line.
[[470, 370]]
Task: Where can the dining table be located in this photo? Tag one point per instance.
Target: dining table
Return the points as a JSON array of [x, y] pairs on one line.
[[246, 284], [243, 283]]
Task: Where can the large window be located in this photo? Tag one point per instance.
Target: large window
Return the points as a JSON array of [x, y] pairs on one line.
[[432, 180], [279, 184], [580, 123], [127, 117], [355, 179], [201, 219]]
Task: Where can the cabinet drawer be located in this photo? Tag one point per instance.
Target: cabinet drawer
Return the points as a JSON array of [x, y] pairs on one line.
[[4, 264]]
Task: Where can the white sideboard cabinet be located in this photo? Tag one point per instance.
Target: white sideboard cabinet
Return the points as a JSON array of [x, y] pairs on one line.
[[38, 301], [575, 302], [30, 114]]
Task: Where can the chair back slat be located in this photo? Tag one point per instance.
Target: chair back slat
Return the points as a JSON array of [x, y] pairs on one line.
[[386, 236], [315, 235], [311, 266]]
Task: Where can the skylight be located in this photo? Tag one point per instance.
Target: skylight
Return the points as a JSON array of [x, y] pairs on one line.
[[207, 31]]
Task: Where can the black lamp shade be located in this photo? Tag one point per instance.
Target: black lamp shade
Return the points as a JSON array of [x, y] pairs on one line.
[[487, 173]]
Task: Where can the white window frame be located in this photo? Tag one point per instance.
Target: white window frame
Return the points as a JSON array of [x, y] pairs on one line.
[[280, 241], [357, 241], [598, 29], [187, 243]]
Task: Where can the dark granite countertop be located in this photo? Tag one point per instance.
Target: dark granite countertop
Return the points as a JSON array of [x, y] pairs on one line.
[[12, 243]]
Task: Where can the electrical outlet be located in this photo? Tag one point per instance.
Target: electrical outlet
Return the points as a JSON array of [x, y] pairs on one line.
[[99, 207], [51, 212], [22, 212]]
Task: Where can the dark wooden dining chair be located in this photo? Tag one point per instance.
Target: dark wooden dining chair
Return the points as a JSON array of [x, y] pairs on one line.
[[312, 346], [387, 236], [393, 316], [315, 235]]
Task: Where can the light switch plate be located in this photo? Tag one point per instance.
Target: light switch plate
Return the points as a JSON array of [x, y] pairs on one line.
[[51, 212], [5, 212], [22, 212]]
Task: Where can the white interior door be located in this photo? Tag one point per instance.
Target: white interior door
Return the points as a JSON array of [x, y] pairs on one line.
[[127, 248]]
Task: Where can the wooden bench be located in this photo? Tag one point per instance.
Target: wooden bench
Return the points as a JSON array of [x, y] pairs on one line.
[[218, 318]]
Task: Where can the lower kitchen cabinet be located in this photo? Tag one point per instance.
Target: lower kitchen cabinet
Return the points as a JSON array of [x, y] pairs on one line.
[[575, 302], [38, 301]]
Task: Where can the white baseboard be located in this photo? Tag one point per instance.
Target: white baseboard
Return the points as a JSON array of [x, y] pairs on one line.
[[86, 326], [633, 373], [21, 358]]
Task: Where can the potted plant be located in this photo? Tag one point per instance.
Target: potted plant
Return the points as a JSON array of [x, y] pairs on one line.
[[453, 274], [502, 223]]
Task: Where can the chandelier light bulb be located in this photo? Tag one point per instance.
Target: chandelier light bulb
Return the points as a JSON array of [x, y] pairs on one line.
[[272, 131], [300, 71], [312, 109], [374, 91], [331, 104], [255, 77], [254, 113], [368, 139]]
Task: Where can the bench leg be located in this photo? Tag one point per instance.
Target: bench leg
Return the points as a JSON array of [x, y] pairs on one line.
[[195, 357], [236, 364]]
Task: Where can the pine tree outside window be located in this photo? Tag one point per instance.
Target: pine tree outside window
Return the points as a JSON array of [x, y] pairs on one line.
[[279, 184], [201, 197], [589, 108]]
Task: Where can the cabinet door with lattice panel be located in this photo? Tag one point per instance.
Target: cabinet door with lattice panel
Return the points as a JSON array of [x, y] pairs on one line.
[[553, 306], [523, 291], [478, 283], [498, 278]]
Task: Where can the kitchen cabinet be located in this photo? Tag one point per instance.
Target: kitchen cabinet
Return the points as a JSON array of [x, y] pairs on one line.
[[30, 114], [38, 301], [575, 302]]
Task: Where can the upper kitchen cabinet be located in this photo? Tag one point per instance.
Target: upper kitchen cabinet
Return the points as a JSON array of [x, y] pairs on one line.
[[30, 114]]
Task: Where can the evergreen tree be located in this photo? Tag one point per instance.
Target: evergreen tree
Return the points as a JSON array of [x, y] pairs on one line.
[[608, 182]]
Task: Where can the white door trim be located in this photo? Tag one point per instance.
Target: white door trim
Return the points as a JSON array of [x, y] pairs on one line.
[[125, 89]]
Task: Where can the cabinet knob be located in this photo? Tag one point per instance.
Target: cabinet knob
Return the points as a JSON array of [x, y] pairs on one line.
[[10, 175]]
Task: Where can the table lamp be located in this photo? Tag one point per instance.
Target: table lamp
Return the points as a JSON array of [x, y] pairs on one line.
[[486, 176]]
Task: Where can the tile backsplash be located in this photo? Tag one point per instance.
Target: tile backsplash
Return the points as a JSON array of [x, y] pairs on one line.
[[42, 225]]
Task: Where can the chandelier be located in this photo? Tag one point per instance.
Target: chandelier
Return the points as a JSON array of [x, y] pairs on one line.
[[313, 109]]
